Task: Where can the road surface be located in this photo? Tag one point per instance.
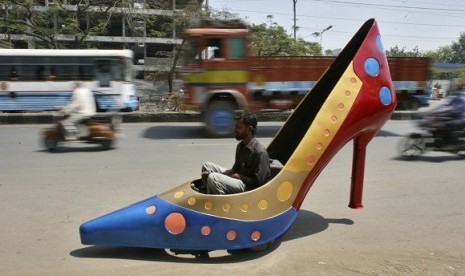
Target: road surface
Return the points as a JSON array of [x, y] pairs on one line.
[[413, 222]]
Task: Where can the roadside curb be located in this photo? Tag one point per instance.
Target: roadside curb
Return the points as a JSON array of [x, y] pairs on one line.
[[149, 117]]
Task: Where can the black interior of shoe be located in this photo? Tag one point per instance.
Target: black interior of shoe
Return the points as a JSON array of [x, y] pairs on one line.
[[293, 131]]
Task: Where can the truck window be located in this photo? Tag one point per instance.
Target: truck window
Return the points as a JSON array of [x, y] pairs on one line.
[[237, 48], [191, 49], [214, 49]]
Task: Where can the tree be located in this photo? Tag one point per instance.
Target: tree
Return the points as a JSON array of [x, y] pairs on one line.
[[397, 52], [270, 39], [182, 19], [443, 54], [59, 25], [458, 50]]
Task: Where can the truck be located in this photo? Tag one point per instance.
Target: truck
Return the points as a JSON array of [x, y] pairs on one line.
[[221, 76]]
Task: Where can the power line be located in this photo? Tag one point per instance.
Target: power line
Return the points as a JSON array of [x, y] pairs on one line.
[[390, 6]]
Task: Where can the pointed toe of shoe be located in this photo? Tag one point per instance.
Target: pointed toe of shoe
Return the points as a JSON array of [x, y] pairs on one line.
[[149, 223]]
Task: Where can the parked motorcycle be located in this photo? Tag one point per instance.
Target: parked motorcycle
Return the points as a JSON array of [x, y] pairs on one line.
[[102, 130], [437, 135]]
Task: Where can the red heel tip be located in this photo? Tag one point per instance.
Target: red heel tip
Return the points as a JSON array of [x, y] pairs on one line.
[[356, 206]]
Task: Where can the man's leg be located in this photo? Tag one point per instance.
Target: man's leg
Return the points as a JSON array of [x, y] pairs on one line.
[[212, 167], [207, 168], [70, 125], [218, 183]]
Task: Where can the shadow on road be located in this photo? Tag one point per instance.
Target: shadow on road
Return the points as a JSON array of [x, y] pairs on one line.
[[306, 224], [384, 133], [69, 149], [197, 131], [432, 159]]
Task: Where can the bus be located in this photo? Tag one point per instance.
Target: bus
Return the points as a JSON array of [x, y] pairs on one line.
[[43, 79]]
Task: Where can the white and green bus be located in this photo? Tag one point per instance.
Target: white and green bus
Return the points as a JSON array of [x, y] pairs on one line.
[[42, 79]]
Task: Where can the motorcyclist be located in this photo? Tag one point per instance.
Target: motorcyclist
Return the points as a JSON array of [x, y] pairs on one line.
[[81, 107], [453, 111]]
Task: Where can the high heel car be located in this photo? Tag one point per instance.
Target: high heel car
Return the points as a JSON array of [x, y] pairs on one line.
[[351, 101]]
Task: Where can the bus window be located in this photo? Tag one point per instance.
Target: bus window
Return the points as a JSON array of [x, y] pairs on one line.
[[237, 48], [5, 72], [118, 70], [103, 72], [128, 72], [26, 72], [52, 75], [40, 72], [86, 72]]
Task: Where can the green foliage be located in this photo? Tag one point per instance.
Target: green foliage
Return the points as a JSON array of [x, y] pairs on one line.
[[458, 50], [454, 53], [398, 52], [443, 54], [272, 40]]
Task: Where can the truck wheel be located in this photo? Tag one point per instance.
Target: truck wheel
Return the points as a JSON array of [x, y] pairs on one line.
[[219, 119]]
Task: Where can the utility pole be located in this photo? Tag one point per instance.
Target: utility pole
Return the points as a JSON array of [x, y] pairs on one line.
[[295, 20]]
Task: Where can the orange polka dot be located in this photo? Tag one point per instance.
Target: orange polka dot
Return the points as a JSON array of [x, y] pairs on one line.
[[263, 204], [208, 205], [226, 207], [191, 201], [151, 209], [231, 235], [179, 194], [206, 230], [255, 236], [175, 223], [311, 160]]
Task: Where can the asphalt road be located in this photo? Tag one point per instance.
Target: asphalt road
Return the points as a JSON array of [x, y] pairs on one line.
[[413, 222]]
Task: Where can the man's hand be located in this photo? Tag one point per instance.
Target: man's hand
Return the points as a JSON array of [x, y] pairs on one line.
[[236, 176]]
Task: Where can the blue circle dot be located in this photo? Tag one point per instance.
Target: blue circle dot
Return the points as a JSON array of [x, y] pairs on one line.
[[372, 67], [379, 44], [385, 95]]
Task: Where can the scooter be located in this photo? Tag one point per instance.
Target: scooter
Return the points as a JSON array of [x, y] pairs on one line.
[[436, 135], [103, 130]]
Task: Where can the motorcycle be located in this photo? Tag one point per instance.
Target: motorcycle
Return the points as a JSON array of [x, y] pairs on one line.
[[437, 135], [103, 130]]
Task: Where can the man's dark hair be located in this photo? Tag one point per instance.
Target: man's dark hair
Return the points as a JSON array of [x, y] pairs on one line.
[[249, 119]]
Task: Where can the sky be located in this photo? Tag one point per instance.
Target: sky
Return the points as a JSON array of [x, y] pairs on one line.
[[426, 24]]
